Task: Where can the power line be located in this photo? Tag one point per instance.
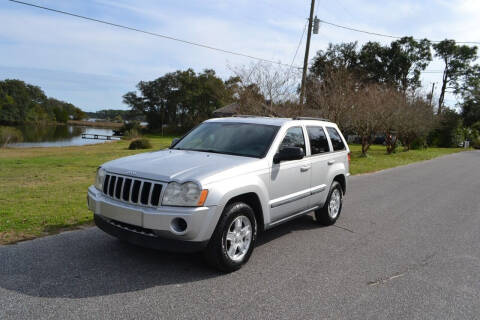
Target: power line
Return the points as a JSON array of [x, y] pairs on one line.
[[154, 34], [385, 35], [299, 43]]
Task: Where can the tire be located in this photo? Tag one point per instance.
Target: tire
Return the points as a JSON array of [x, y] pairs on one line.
[[231, 254], [333, 206]]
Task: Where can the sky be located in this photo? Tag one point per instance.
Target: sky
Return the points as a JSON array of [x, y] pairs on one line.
[[93, 65]]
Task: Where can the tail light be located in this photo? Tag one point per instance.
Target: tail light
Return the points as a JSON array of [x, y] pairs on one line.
[[349, 158]]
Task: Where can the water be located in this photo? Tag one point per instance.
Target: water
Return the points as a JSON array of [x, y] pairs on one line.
[[58, 136]]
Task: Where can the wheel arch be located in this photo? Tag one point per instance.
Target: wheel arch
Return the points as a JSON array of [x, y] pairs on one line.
[[340, 178], [253, 200]]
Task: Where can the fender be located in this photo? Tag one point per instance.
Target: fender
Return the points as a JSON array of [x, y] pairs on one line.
[[224, 190]]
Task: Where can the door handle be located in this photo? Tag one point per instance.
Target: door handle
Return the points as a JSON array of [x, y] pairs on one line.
[[305, 168], [330, 162]]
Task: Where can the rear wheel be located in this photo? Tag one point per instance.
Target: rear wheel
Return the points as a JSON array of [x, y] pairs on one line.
[[233, 239], [332, 207]]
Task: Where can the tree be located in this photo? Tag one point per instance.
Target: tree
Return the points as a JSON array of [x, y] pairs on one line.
[[364, 116], [334, 96], [457, 60], [181, 98], [275, 84], [9, 135], [343, 56], [398, 64], [445, 133], [407, 59], [21, 102], [415, 121], [471, 97]]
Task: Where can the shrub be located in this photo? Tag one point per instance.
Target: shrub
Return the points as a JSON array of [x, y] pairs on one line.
[[476, 143], [419, 143], [446, 133], [9, 135], [142, 143]]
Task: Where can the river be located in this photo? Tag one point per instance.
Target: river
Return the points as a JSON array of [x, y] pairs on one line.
[[57, 136]]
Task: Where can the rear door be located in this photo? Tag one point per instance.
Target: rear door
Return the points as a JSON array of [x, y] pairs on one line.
[[320, 155], [338, 161], [290, 180]]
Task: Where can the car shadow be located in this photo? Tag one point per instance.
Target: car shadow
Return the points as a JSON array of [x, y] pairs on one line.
[[90, 263]]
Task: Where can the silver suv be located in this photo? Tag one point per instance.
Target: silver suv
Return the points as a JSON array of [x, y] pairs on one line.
[[221, 184]]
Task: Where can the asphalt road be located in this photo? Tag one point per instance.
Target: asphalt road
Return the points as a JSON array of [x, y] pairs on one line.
[[406, 246]]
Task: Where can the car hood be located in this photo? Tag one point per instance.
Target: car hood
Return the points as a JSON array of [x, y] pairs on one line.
[[177, 165]]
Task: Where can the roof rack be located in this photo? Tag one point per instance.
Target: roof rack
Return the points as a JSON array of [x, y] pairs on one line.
[[248, 116], [310, 118]]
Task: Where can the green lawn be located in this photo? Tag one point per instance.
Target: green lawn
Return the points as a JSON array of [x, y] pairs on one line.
[[377, 158], [43, 190]]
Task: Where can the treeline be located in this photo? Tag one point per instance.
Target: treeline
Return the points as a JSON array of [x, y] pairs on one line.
[[369, 90], [116, 115], [376, 89], [21, 102]]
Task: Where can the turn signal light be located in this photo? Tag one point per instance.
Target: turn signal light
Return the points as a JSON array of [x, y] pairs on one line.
[[203, 197]]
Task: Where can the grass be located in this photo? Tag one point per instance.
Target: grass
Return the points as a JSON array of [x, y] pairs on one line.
[[43, 190], [377, 159]]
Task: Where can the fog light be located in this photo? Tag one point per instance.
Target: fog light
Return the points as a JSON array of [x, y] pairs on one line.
[[179, 225]]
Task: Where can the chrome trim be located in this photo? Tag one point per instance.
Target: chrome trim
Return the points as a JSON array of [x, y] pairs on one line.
[[281, 202], [318, 189], [298, 196], [292, 216]]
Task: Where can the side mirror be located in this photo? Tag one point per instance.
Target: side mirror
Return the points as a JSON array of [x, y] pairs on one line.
[[174, 142], [289, 153]]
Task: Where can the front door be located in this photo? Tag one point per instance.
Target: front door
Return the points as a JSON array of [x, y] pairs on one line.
[[290, 180]]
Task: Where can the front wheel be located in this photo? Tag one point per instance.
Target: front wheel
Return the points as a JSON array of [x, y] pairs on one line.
[[332, 207], [233, 239]]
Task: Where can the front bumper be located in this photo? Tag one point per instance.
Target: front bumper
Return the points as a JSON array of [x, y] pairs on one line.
[[145, 237], [133, 223]]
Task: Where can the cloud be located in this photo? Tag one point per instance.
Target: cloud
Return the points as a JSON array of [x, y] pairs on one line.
[[63, 54]]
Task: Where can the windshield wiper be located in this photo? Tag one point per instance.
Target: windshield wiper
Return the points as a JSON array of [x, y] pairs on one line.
[[222, 152]]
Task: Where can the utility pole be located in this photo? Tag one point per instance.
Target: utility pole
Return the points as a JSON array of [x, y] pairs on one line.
[[307, 48]]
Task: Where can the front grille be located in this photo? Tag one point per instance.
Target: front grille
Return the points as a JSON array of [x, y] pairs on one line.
[[131, 190]]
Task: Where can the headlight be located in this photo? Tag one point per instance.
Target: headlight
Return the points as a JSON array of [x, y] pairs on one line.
[[187, 194], [100, 178]]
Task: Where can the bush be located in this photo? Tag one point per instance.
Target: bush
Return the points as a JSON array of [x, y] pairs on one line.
[[142, 143], [476, 143], [446, 133], [419, 143], [9, 135]]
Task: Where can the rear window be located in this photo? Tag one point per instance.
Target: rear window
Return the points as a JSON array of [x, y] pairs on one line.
[[318, 140], [337, 141]]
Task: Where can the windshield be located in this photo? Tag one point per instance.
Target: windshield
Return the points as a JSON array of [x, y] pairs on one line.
[[242, 139]]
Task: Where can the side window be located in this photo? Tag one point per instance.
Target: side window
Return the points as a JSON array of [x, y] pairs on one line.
[[337, 141], [318, 140], [293, 138]]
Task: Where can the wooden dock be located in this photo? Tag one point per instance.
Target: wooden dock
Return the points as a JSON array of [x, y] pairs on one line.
[[98, 136]]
